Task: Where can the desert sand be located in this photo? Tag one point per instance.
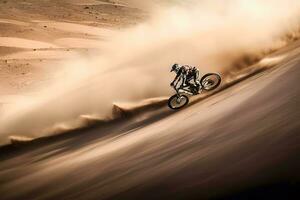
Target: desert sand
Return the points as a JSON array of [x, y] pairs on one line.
[[34, 37]]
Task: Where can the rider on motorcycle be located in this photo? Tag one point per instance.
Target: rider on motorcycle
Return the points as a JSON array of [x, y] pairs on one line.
[[189, 77]]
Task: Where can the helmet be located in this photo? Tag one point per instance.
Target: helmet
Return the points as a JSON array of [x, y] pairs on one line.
[[175, 67]]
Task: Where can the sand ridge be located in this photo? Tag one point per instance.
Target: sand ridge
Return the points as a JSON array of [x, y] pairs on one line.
[[37, 35]]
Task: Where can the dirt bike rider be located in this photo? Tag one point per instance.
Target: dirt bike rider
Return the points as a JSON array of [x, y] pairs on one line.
[[189, 75]]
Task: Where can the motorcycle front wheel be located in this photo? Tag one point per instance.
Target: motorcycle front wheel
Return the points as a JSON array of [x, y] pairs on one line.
[[210, 81], [176, 102]]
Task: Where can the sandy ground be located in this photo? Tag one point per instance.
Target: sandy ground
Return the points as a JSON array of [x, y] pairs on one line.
[[240, 143], [34, 38]]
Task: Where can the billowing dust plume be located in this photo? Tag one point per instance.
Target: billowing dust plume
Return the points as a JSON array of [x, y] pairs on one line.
[[135, 63]]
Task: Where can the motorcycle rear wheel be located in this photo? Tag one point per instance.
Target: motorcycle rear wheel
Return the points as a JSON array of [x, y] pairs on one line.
[[210, 81], [177, 102]]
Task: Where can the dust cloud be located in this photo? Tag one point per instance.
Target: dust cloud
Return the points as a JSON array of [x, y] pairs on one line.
[[134, 63]]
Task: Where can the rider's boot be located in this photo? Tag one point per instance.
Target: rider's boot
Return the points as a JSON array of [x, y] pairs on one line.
[[195, 89], [195, 92]]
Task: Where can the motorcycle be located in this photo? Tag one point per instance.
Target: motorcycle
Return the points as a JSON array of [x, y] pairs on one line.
[[208, 82]]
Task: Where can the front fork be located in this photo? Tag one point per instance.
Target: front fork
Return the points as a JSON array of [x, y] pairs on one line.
[[177, 93]]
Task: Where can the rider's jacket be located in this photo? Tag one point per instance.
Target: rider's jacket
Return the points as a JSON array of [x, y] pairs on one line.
[[189, 73]]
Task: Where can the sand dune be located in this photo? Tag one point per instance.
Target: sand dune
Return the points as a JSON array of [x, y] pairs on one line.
[[78, 43], [77, 28], [41, 54], [24, 43]]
